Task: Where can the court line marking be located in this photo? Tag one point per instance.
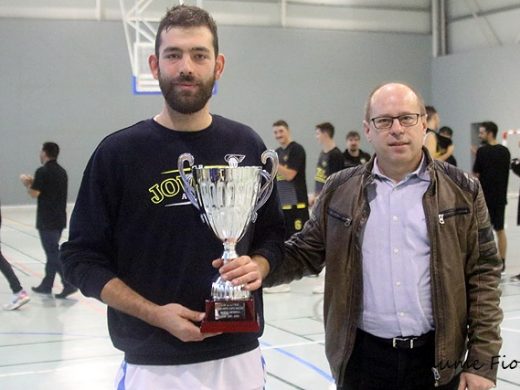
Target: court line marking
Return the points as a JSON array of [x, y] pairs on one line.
[[298, 359]]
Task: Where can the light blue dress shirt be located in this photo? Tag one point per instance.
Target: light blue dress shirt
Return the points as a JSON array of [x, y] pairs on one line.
[[396, 257]]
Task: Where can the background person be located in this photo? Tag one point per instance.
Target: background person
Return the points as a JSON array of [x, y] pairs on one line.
[[431, 138], [492, 163], [403, 300], [49, 187], [353, 154], [445, 139], [515, 167], [330, 159], [432, 124], [20, 296], [136, 243], [291, 185]]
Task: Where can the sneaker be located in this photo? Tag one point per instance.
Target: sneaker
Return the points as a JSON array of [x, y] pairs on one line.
[[66, 292], [282, 288], [319, 289], [41, 290], [19, 299]]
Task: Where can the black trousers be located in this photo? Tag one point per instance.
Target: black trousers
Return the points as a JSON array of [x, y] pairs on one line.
[[9, 274], [50, 240], [375, 365], [295, 218]]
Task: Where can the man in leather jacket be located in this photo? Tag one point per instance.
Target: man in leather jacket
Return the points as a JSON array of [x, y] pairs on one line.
[[412, 268]]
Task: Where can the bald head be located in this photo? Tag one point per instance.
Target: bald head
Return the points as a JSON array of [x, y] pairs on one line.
[[398, 140], [390, 89]]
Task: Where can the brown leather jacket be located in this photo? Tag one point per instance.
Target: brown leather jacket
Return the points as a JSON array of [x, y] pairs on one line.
[[465, 268]]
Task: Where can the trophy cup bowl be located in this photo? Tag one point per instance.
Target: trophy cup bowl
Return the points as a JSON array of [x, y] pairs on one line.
[[228, 198]]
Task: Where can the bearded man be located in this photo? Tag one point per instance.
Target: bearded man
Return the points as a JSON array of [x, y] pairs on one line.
[[137, 244]]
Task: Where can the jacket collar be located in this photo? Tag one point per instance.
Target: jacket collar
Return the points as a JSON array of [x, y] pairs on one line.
[[428, 163]]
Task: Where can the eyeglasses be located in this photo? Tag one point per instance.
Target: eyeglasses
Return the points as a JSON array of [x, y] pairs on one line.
[[386, 122]]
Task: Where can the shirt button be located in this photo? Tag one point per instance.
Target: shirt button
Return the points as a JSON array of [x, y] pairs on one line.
[[398, 284], [396, 250], [401, 314], [395, 218]]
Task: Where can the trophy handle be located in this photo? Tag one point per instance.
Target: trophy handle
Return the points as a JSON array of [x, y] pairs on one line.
[[267, 188], [186, 179]]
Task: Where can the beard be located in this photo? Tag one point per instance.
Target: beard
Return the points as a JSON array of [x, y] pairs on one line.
[[186, 102]]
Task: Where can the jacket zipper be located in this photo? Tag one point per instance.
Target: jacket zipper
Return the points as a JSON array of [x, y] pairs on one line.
[[451, 213], [346, 220], [430, 224], [442, 216]]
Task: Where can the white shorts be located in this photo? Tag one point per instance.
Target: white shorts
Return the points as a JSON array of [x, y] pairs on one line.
[[241, 372]]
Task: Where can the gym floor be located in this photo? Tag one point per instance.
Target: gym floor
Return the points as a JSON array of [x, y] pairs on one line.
[[64, 344]]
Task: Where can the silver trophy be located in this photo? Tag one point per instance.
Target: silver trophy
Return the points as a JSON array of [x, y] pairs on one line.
[[228, 199]]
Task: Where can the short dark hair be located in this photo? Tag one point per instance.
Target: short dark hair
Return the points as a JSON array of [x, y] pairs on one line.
[[446, 130], [490, 127], [430, 110], [51, 149], [185, 16], [326, 127], [281, 122], [352, 133]]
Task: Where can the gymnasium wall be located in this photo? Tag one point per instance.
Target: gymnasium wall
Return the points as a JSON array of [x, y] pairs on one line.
[[69, 82]]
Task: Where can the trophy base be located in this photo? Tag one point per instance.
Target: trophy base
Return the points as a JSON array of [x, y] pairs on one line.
[[230, 317]]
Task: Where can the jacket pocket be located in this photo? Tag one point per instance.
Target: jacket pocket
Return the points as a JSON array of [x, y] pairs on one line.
[[443, 215], [347, 221]]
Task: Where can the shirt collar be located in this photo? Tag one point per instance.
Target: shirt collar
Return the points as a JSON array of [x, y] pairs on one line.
[[420, 173]]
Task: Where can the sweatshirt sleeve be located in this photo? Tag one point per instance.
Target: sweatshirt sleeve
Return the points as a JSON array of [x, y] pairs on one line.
[[270, 231], [88, 256]]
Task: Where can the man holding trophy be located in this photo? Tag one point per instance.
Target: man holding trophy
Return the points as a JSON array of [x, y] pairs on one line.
[[158, 203]]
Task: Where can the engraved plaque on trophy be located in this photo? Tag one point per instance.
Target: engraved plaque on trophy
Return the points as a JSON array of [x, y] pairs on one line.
[[228, 198]]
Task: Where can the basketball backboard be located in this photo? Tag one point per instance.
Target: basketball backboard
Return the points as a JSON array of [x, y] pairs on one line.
[[140, 21]]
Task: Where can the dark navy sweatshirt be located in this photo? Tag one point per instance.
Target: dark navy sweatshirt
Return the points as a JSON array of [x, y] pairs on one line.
[[133, 221]]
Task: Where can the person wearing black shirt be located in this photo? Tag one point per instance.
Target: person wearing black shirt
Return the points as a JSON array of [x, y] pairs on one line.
[[445, 140], [291, 186], [330, 160], [291, 179], [430, 138], [439, 147], [491, 166], [138, 244], [515, 167], [49, 187], [353, 154]]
